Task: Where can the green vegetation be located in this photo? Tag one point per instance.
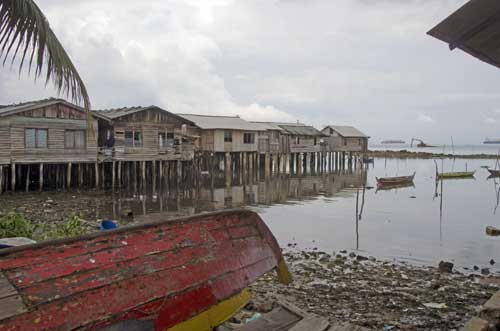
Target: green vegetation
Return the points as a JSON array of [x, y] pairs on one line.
[[72, 227], [15, 225]]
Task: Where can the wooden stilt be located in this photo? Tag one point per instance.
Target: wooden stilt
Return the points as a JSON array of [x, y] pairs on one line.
[[40, 178], [153, 169], [119, 174], [13, 177], [68, 176], [80, 175], [143, 175], [1, 179], [113, 174], [160, 186], [97, 175], [28, 175], [103, 175]]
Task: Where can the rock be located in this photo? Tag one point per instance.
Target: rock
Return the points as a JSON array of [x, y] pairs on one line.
[[492, 231], [352, 255], [485, 271], [476, 268], [324, 259], [445, 267], [492, 262], [343, 251], [20, 209], [361, 258], [476, 324]]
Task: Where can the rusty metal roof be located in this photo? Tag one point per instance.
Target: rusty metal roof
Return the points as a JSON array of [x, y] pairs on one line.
[[301, 130], [13, 109], [475, 29], [115, 113]]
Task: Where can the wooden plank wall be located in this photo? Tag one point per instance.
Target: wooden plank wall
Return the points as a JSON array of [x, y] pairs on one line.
[[4, 141]]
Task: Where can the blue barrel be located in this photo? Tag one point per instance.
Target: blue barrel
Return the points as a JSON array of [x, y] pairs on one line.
[[108, 225]]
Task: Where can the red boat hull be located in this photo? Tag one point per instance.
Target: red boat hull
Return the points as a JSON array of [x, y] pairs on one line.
[[166, 271]]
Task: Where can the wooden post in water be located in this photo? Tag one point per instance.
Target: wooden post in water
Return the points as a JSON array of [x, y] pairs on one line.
[[103, 175], [267, 165], [301, 164], [161, 176]]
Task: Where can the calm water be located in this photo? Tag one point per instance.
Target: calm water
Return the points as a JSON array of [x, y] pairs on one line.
[[492, 149], [319, 211]]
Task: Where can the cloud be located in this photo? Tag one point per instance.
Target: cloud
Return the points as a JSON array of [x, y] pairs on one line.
[[359, 62], [425, 118], [490, 120]]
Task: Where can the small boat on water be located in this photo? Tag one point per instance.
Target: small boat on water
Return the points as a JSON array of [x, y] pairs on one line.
[[387, 182], [456, 175], [388, 187], [393, 141], [184, 274]]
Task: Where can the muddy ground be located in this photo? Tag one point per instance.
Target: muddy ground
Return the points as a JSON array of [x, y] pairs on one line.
[[377, 295]]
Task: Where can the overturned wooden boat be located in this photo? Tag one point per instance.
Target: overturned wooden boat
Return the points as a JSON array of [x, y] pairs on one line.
[[183, 274], [456, 175], [394, 181]]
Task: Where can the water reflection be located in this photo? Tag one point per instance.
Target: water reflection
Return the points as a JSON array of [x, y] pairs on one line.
[[284, 189]]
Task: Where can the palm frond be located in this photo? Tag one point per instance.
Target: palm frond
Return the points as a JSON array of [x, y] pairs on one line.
[[25, 34]]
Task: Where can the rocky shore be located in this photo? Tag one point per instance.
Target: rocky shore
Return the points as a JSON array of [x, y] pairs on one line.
[[378, 295], [405, 154]]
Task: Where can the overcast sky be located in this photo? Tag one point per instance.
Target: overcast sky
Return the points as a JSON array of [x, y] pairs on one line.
[[367, 63]]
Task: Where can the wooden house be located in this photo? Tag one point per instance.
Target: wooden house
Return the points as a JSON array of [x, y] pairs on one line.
[[345, 139], [272, 138], [224, 134], [302, 138], [50, 130], [143, 134]]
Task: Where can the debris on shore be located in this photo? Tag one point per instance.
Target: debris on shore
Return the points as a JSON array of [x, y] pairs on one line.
[[377, 295]]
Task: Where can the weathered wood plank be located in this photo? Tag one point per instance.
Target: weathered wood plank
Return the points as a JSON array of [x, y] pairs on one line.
[[11, 306], [6, 288]]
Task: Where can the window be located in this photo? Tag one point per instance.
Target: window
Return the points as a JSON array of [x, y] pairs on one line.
[[74, 139], [345, 141], [35, 138], [315, 141], [297, 140], [162, 139], [228, 136], [249, 138], [133, 139]]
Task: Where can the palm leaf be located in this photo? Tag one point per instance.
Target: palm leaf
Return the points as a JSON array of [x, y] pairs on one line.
[[25, 34]]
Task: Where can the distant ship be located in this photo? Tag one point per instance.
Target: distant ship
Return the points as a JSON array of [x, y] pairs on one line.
[[395, 141], [491, 141]]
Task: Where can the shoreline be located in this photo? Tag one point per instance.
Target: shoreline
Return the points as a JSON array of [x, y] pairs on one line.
[[405, 154], [377, 295]]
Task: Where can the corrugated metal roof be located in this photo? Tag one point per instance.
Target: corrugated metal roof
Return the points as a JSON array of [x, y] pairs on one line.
[[347, 131], [119, 112], [474, 28], [211, 122], [269, 126], [301, 130]]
